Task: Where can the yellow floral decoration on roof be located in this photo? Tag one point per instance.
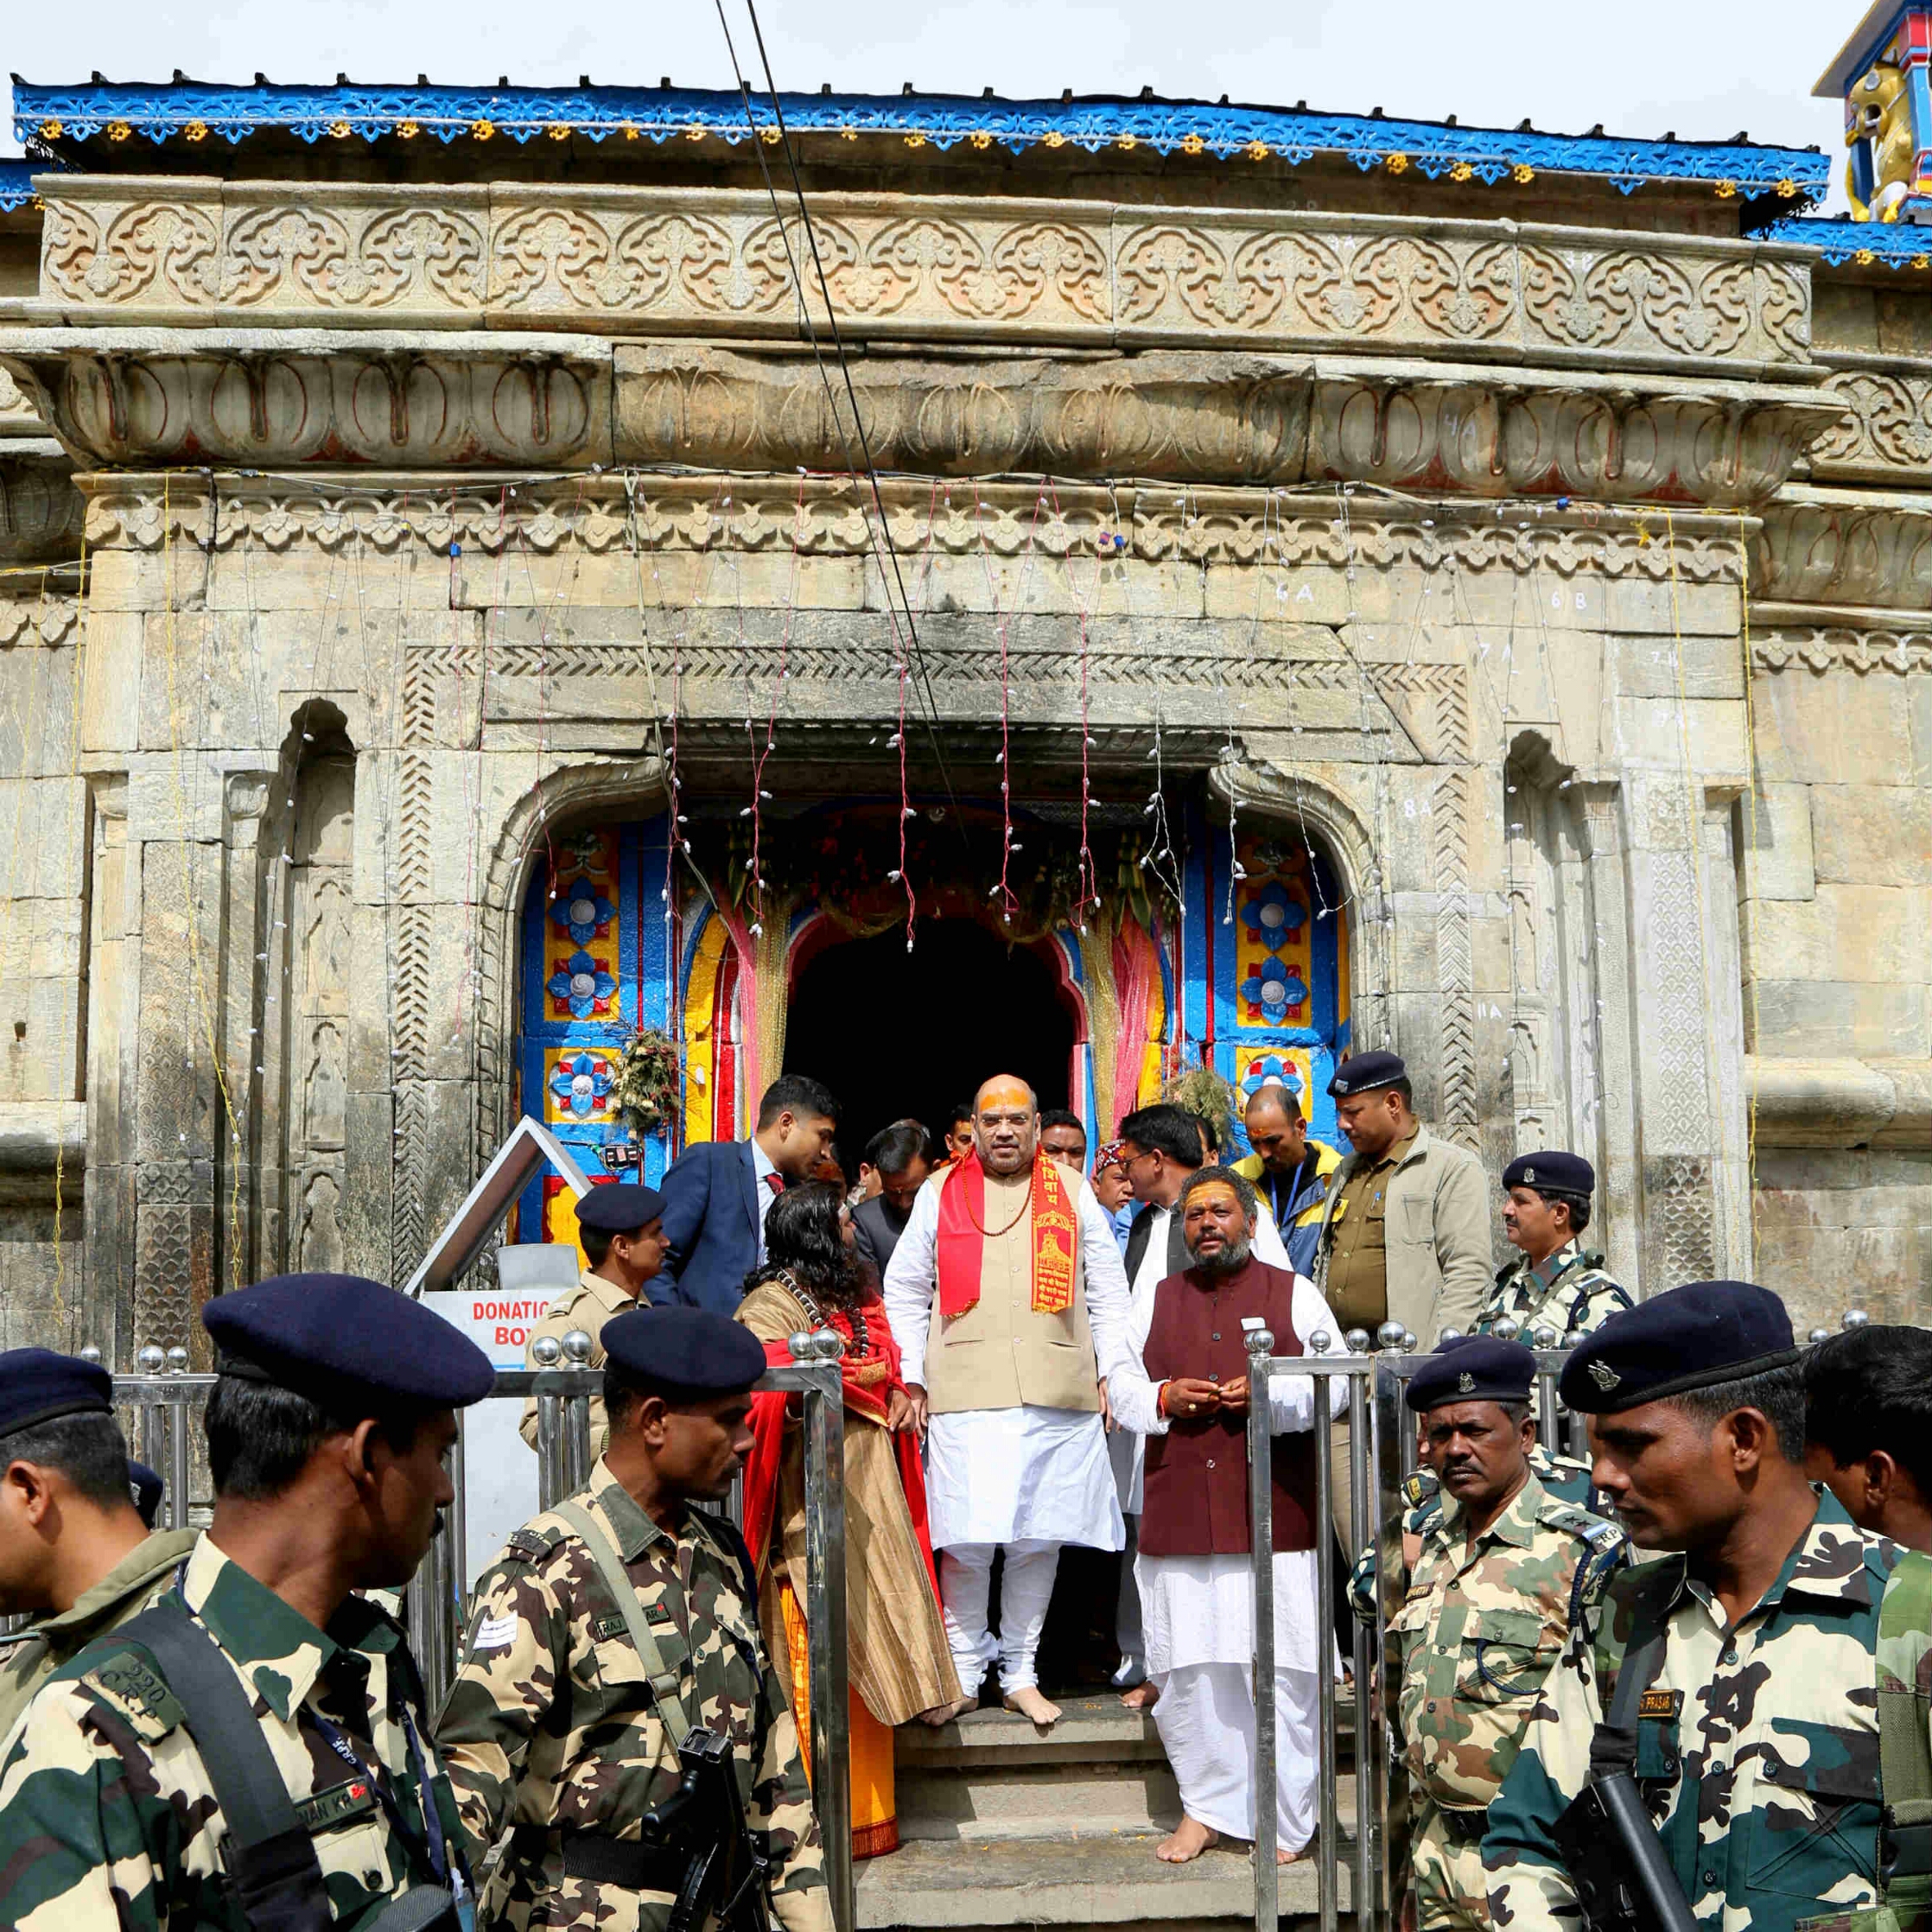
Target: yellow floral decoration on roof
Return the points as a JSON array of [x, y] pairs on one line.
[[1395, 163], [1523, 172]]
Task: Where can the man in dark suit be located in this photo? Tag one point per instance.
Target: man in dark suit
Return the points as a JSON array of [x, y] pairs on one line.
[[716, 1193], [897, 1155]]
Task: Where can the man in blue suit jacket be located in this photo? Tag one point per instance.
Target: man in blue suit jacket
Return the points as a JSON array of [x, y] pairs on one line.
[[715, 1195]]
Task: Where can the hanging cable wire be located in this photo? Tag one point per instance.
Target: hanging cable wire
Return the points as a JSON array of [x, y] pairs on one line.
[[878, 535]]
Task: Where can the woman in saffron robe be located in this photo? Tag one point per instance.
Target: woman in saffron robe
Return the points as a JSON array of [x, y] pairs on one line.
[[900, 1665]]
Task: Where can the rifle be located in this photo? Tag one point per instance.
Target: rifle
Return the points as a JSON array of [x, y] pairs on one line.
[[728, 1874], [1623, 1881]]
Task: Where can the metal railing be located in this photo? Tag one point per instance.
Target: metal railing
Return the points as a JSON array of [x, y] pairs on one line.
[[1382, 1440], [167, 1400]]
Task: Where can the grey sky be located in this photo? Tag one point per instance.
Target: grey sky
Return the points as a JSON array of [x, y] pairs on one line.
[[1640, 67]]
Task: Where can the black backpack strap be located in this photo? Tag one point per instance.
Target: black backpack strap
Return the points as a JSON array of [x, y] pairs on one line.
[[270, 1857]]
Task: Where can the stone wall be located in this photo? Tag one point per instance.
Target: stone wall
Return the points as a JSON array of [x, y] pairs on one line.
[[1443, 546]]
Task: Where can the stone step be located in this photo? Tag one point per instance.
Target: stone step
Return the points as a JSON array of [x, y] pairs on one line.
[[992, 1775], [1093, 1879]]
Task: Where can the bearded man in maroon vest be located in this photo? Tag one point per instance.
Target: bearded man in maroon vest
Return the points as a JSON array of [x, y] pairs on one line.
[[1189, 1395]]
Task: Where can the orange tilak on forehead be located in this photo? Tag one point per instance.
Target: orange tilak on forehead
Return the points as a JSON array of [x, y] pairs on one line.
[[1218, 1194], [1004, 1090]]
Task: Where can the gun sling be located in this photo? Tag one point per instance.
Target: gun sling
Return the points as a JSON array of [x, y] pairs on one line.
[[269, 1854], [665, 1686]]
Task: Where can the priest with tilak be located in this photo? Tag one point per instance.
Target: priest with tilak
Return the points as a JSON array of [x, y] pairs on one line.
[[1007, 1377]]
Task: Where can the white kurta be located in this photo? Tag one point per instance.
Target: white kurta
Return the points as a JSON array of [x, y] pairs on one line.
[[1129, 1448], [1201, 1609], [1008, 1475]]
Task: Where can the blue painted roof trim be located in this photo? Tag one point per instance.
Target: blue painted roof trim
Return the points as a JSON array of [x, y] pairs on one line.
[[945, 120], [16, 183], [1893, 245]]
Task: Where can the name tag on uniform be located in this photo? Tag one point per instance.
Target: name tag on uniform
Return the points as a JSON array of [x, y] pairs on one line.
[[1665, 1704], [611, 1624], [337, 1805]]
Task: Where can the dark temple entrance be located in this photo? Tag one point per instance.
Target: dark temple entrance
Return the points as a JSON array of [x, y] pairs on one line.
[[893, 1032]]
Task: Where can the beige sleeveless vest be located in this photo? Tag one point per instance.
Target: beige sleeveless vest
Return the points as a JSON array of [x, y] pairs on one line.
[[1000, 1354]]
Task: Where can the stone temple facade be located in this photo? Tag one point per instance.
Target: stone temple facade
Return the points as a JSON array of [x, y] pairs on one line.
[[1356, 582]]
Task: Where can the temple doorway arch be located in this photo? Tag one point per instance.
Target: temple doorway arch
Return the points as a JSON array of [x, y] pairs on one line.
[[893, 1032]]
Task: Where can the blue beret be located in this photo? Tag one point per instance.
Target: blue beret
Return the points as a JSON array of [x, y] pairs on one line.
[[1363, 1070], [1690, 1337], [1472, 1368], [691, 1350], [347, 1343], [619, 1207], [145, 1487], [36, 1385], [1565, 1173]]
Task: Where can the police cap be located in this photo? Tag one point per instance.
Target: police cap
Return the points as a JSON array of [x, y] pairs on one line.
[[36, 1385], [691, 1352], [1472, 1368], [619, 1208], [348, 1344], [1361, 1071], [1551, 1173], [1689, 1337], [145, 1487]]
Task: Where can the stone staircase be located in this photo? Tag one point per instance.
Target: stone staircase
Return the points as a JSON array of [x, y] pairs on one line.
[[1002, 1825]]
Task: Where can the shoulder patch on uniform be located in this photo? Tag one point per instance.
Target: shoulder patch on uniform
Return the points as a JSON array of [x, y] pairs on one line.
[[128, 1683], [533, 1545], [1419, 1486], [1575, 1522]]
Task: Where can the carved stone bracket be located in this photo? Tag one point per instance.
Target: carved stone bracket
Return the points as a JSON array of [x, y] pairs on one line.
[[657, 261], [40, 511]]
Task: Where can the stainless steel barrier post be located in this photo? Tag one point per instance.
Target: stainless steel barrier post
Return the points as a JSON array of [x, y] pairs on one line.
[[577, 1417], [1549, 1415], [1368, 1649], [175, 1498], [548, 1386], [152, 1361], [817, 1357], [1261, 1549], [1394, 1450], [1325, 1833]]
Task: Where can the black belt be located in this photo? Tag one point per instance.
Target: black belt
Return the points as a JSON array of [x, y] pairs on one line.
[[623, 1861], [1466, 1827]]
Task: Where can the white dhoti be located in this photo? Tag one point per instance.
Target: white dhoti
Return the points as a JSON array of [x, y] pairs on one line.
[[1199, 1617], [1023, 1480]]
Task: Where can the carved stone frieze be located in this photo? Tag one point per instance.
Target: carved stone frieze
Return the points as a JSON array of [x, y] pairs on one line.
[[28, 617], [276, 400], [465, 400], [1885, 434], [1842, 547], [822, 517], [719, 261], [1835, 647], [1220, 419]]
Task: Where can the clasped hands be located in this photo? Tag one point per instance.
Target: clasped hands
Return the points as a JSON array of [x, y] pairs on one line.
[[1190, 1397]]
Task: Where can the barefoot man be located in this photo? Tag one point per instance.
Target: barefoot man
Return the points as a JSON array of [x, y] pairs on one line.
[[1007, 1378], [1189, 1396]]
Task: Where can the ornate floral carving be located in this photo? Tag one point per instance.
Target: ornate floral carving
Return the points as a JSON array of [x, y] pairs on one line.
[[679, 260], [1887, 427], [1833, 647]]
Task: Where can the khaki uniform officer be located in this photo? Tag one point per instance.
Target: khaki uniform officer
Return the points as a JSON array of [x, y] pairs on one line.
[[622, 1230]]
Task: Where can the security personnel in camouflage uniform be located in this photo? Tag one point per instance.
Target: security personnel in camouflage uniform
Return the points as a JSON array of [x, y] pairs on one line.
[[1555, 1281], [1504, 1573], [1758, 1731], [260, 1731], [563, 1727], [75, 1550], [620, 1227]]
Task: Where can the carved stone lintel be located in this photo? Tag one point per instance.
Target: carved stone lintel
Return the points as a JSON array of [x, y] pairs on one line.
[[1846, 547]]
